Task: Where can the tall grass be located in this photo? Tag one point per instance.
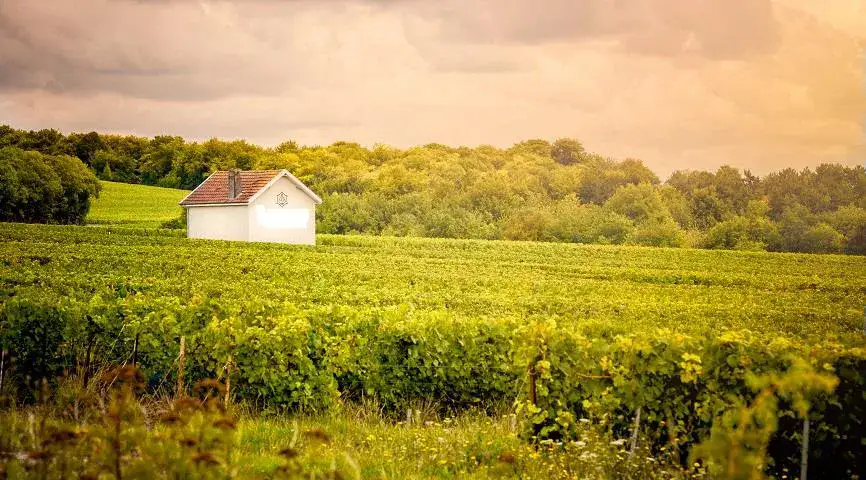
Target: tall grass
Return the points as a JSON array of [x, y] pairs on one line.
[[112, 430]]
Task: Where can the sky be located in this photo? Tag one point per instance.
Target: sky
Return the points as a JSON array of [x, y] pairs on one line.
[[680, 84]]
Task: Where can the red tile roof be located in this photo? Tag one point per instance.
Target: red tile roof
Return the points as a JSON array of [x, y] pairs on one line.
[[215, 189]]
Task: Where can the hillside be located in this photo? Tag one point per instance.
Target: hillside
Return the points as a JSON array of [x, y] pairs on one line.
[[135, 205]]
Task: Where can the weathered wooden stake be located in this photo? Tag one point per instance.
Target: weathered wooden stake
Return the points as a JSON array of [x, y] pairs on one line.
[[181, 359], [2, 365], [531, 370], [87, 359], [135, 351], [804, 460], [228, 380], [634, 433]]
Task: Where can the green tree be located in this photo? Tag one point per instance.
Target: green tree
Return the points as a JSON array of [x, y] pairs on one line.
[[536, 146], [677, 204], [567, 151], [37, 188], [638, 202], [707, 208], [85, 146]]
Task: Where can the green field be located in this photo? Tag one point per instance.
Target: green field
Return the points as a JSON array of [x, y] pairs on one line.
[[455, 326], [615, 289], [135, 205]]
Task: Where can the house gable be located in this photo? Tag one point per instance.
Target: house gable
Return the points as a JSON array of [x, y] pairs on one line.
[[215, 189]]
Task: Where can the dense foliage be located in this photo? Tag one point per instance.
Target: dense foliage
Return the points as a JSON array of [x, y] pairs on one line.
[[37, 188], [690, 337], [534, 190]]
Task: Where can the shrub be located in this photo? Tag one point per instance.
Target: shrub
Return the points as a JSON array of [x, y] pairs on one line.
[[638, 202], [37, 188], [178, 223], [741, 233], [658, 232], [823, 238], [850, 221]]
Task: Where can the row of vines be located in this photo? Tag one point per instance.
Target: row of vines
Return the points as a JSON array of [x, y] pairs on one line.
[[401, 322]]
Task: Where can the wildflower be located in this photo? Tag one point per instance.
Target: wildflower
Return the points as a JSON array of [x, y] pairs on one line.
[[619, 442]]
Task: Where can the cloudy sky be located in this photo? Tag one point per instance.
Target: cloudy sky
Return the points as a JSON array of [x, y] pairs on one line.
[[759, 84]]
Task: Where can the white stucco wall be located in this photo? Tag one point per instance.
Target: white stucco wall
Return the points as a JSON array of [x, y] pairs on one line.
[[293, 223], [229, 222]]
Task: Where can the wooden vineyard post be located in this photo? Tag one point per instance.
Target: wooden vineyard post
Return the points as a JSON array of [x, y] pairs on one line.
[[634, 433], [531, 370], [804, 459], [87, 356], [135, 351], [2, 366], [228, 380], [181, 359]]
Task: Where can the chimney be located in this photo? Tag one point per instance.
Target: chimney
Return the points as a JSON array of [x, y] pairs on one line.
[[234, 183]]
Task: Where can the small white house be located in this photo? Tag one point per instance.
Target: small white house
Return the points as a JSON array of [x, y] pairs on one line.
[[252, 206]]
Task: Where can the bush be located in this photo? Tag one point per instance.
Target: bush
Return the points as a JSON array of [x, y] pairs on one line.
[[37, 188], [850, 221], [178, 223], [823, 238], [741, 233], [658, 232], [637, 202]]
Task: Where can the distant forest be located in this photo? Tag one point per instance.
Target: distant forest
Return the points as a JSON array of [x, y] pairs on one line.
[[533, 190]]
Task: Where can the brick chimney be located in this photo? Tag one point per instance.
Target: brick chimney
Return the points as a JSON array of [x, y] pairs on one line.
[[234, 183]]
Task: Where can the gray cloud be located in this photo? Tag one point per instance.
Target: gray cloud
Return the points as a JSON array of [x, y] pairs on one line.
[[181, 49], [677, 83], [730, 29], [188, 50]]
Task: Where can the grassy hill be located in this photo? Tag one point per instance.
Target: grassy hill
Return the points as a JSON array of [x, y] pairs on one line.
[[135, 205]]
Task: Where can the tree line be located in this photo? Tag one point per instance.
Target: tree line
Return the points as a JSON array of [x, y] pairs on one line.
[[533, 190]]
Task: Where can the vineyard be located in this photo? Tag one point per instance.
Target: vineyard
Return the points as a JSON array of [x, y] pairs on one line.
[[695, 349]]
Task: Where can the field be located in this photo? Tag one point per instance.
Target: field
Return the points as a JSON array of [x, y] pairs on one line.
[[617, 289], [543, 333], [135, 205]]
